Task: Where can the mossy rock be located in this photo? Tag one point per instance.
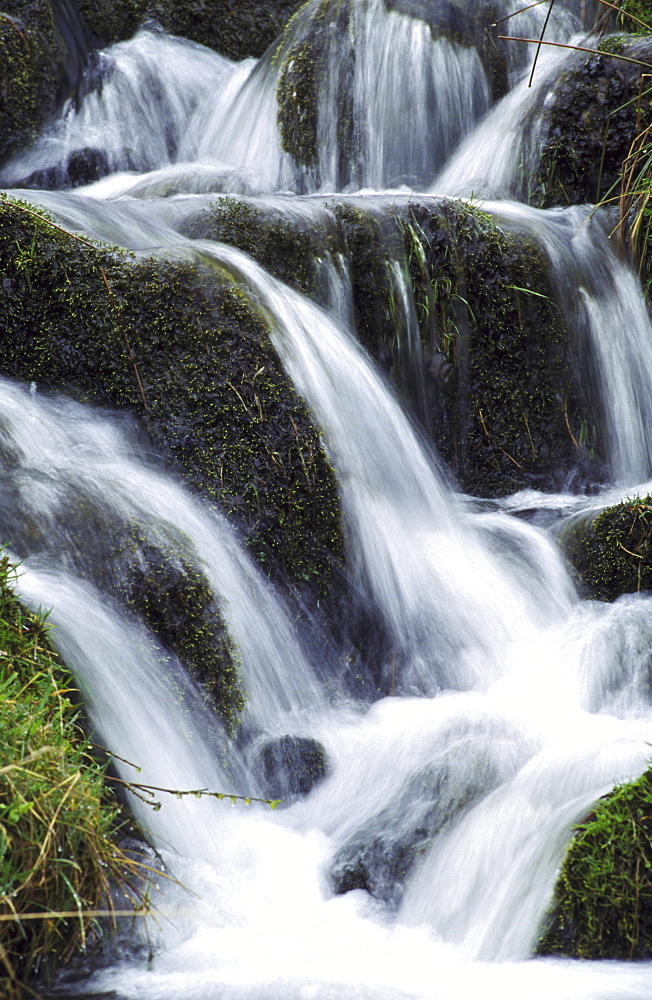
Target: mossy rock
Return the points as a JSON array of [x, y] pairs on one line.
[[602, 906], [219, 406], [32, 59], [498, 378], [235, 28], [612, 553], [596, 108], [501, 387], [287, 249], [318, 34]]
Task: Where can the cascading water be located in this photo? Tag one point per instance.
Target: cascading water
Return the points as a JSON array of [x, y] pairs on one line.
[[515, 705]]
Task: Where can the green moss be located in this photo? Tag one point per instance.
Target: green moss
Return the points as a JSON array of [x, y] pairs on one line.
[[31, 63], [612, 553], [602, 907], [57, 829], [235, 28], [221, 409], [285, 249]]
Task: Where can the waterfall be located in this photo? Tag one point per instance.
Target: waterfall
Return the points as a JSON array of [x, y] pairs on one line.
[[502, 706]]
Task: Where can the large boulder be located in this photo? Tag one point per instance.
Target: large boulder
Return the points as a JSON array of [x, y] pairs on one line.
[[483, 356], [186, 349]]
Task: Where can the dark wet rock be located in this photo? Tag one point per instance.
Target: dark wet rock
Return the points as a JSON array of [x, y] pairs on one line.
[[591, 117], [83, 166], [291, 766], [235, 28], [383, 853]]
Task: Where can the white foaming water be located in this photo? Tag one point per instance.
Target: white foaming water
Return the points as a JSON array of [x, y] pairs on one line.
[[553, 696], [59, 447], [142, 96]]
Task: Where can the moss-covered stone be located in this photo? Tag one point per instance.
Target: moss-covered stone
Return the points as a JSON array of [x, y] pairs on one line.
[[597, 108], [31, 69], [219, 406], [317, 45], [612, 553], [502, 369], [602, 906], [279, 243], [235, 28]]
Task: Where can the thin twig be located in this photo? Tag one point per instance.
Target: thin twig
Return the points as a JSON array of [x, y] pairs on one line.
[[576, 48], [543, 31], [495, 443], [196, 792], [568, 428]]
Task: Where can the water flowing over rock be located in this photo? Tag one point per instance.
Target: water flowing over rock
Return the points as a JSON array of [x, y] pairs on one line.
[[312, 385]]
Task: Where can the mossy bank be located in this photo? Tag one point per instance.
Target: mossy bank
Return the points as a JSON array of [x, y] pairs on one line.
[[58, 824]]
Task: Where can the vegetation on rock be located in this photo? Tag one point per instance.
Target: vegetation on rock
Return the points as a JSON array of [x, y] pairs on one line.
[[612, 553], [58, 828], [602, 907]]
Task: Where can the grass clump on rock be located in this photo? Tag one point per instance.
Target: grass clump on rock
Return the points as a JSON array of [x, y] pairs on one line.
[[602, 907], [57, 827]]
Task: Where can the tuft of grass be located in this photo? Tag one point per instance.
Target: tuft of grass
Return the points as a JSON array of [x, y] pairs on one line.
[[58, 856]]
